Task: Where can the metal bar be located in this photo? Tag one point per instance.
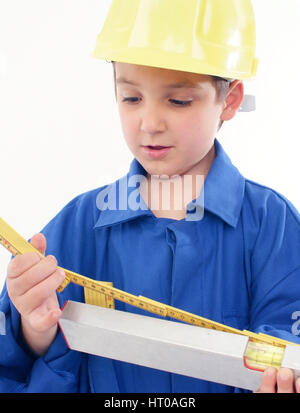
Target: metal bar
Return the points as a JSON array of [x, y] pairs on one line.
[[165, 345]]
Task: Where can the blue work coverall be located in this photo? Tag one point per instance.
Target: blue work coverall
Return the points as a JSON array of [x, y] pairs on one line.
[[237, 264]]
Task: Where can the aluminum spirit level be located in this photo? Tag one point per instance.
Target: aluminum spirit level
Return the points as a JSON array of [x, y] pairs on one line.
[[202, 353]]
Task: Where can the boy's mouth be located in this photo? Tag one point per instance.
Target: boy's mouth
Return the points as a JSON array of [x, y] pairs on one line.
[[157, 147], [157, 151]]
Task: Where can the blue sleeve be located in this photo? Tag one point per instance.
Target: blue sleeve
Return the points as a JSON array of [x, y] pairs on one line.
[[60, 370], [20, 371], [275, 292]]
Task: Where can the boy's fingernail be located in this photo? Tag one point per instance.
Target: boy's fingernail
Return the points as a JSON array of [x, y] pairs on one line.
[[270, 371], [51, 258], [284, 375]]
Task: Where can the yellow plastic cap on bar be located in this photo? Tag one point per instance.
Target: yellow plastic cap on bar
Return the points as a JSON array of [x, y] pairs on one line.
[[214, 37]]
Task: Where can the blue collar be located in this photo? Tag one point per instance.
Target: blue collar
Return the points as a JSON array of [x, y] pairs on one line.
[[223, 193], [224, 188]]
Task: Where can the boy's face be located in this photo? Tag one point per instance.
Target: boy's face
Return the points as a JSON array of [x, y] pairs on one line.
[[183, 119]]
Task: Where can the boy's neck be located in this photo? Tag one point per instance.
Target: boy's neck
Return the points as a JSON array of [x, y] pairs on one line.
[[168, 198]]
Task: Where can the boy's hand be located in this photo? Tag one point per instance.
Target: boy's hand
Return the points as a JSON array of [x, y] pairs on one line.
[[279, 381], [31, 285]]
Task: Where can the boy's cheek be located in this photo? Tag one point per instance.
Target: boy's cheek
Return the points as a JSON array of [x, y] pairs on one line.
[[129, 134]]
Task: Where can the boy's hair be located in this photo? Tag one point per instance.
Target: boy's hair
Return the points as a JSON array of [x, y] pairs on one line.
[[221, 85], [222, 88]]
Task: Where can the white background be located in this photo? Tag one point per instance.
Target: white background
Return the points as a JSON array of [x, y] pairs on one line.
[[59, 127]]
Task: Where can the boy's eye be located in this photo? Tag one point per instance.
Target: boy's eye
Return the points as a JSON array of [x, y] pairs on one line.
[[181, 102], [131, 100], [175, 101]]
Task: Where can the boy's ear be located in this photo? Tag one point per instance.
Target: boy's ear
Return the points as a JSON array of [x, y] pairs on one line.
[[233, 100]]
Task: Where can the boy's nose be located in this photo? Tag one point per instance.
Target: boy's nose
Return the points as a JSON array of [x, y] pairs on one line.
[[152, 121]]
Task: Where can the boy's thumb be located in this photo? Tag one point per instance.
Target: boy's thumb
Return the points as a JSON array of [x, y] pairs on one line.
[[39, 242]]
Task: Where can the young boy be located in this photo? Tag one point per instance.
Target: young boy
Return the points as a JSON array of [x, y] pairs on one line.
[[228, 250]]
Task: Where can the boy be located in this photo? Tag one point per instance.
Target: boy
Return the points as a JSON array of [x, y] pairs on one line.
[[233, 257]]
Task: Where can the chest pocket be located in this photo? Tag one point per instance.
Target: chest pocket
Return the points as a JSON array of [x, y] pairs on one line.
[[236, 319]]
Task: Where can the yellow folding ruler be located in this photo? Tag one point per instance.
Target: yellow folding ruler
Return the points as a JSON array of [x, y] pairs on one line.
[[263, 350]]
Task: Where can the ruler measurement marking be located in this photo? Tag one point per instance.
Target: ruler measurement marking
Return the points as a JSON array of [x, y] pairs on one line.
[[8, 246]]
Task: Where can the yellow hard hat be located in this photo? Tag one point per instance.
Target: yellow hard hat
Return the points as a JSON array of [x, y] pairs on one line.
[[214, 37]]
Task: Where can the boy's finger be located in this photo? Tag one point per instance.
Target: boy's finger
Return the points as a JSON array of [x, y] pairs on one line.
[[21, 263], [44, 323], [298, 385], [39, 242], [268, 383], [38, 294], [285, 381], [35, 275]]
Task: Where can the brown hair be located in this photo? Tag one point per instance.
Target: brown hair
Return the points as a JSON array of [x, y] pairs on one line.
[[222, 87]]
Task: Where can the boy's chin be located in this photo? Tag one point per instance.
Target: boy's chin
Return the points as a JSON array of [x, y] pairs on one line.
[[159, 167], [162, 173]]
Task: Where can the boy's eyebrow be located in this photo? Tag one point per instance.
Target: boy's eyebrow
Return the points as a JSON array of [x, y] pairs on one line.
[[184, 83]]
